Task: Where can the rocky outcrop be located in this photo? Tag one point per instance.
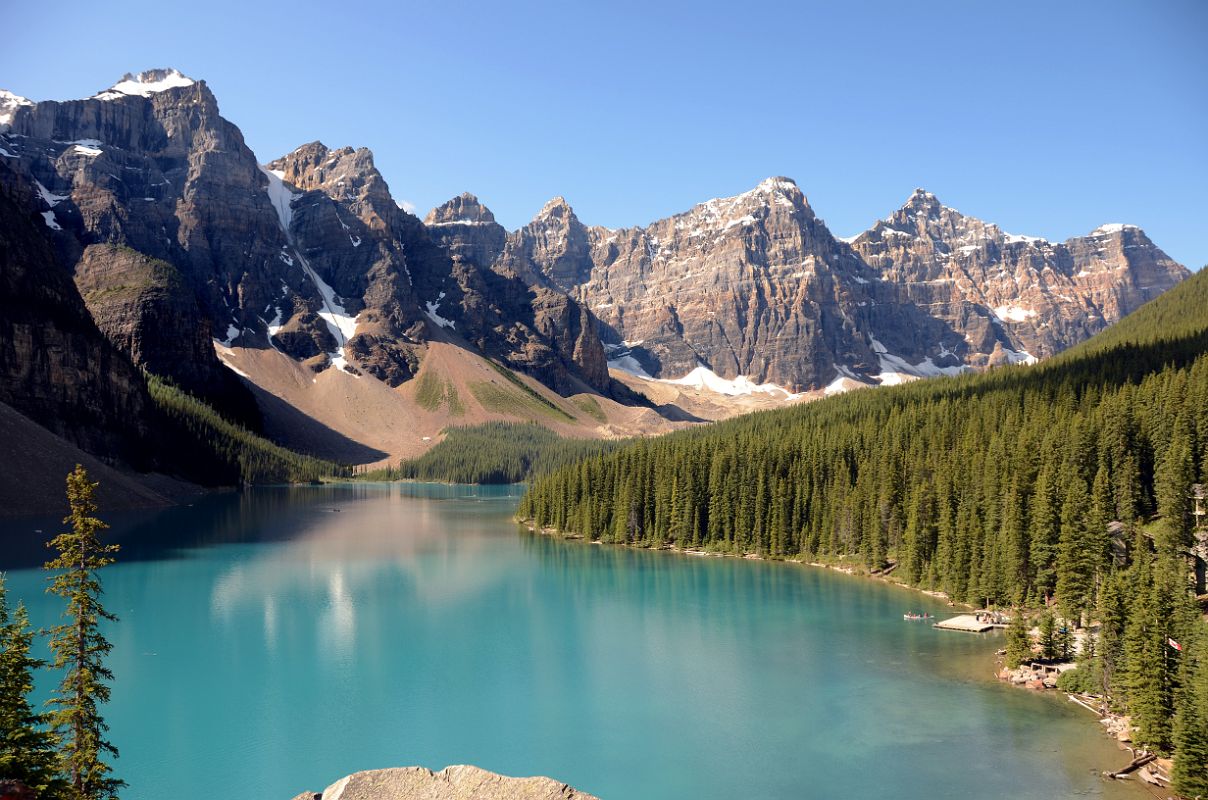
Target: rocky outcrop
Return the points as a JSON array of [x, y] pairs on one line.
[[756, 287], [512, 311], [554, 249], [451, 783], [56, 367], [348, 231], [467, 230], [142, 305], [170, 225], [752, 285], [1013, 297], [152, 166]]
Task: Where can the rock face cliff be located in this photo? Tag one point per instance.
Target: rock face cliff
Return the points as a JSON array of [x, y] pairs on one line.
[[308, 254], [191, 255], [756, 288], [151, 166], [513, 312], [144, 306], [1013, 296], [56, 367], [752, 285], [451, 783]]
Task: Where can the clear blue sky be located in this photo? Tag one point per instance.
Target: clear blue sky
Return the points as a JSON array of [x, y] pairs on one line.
[[1048, 118]]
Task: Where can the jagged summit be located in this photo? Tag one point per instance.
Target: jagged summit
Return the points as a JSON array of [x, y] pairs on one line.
[[1113, 228], [556, 208], [465, 209], [925, 203], [9, 103], [145, 84], [776, 186]]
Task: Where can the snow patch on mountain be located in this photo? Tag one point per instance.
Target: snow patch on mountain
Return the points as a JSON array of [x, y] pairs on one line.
[[1020, 357], [433, 308], [86, 147], [1013, 313], [628, 363], [1112, 227], [341, 324], [50, 199], [9, 103], [281, 197], [1016, 238], [704, 378], [145, 84], [896, 370]]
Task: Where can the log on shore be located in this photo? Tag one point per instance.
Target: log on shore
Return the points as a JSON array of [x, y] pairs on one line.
[[1135, 764]]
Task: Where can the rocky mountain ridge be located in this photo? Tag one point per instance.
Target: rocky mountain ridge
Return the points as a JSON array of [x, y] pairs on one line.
[[1012, 295], [755, 289], [301, 282], [308, 254]]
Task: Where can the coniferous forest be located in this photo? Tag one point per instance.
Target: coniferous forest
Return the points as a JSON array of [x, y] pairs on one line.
[[226, 452], [1064, 486], [494, 452]]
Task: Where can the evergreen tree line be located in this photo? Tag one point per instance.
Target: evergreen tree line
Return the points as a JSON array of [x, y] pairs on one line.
[[62, 753], [234, 454], [494, 452], [999, 489]]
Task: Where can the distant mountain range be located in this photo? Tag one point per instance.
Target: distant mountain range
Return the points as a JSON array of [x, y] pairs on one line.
[[297, 296]]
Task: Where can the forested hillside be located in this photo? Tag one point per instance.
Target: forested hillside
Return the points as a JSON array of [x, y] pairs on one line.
[[1181, 311], [998, 489], [495, 452], [234, 454]]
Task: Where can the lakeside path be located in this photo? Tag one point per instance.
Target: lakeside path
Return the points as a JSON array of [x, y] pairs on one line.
[[982, 668]]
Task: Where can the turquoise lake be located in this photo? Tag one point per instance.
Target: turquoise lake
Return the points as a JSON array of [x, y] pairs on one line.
[[273, 641]]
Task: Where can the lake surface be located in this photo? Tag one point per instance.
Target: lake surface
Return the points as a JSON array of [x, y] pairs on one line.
[[273, 641]]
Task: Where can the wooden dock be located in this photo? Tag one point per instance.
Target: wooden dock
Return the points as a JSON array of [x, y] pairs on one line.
[[966, 623]]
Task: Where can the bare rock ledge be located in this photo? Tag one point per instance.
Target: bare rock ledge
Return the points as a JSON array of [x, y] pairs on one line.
[[451, 783]]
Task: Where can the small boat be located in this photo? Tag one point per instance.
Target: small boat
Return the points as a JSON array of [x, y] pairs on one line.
[[917, 616]]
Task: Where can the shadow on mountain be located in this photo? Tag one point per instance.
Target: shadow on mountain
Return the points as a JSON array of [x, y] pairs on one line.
[[673, 413], [292, 428]]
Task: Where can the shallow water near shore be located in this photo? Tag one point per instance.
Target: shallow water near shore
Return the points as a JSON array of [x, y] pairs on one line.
[[275, 640]]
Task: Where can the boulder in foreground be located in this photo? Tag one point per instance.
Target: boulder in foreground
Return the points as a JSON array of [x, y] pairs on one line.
[[451, 783]]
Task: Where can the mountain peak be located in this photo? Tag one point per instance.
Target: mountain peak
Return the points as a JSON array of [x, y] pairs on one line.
[[145, 84], [465, 209], [556, 208], [780, 188], [1113, 227], [921, 199], [9, 103], [778, 182]]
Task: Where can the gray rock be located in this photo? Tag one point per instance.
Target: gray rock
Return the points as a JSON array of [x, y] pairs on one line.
[[1009, 294], [451, 783]]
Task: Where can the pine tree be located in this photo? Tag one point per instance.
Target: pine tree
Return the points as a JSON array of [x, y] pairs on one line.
[[1190, 773], [80, 648], [1172, 485], [1048, 637], [1075, 554], [1019, 642], [1112, 617], [1148, 680], [27, 748], [1044, 534]]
